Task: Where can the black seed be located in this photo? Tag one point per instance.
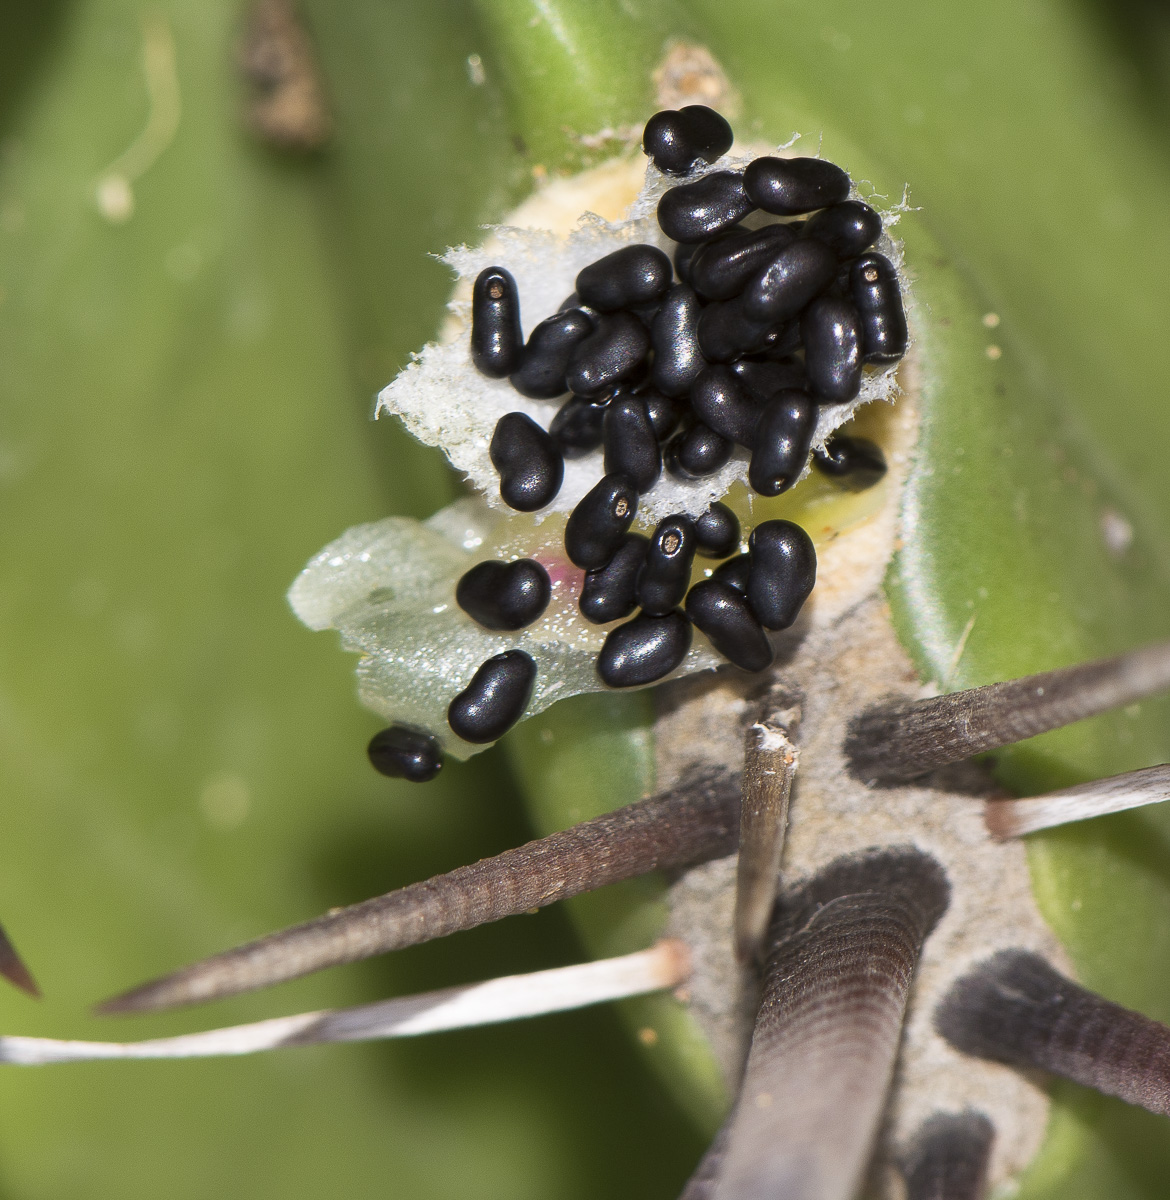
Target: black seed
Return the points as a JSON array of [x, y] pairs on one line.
[[502, 595], [783, 571], [874, 284], [631, 447], [611, 592], [666, 572], [664, 413], [788, 186], [857, 462], [541, 374], [644, 650], [627, 277], [676, 139], [576, 429], [612, 352], [530, 465], [496, 340], [735, 572], [831, 331], [722, 403], [847, 228], [597, 525], [783, 437], [405, 753], [572, 300], [717, 532], [724, 615], [781, 342], [495, 699], [790, 280], [675, 339], [725, 333], [699, 210], [697, 452], [763, 379], [723, 268]]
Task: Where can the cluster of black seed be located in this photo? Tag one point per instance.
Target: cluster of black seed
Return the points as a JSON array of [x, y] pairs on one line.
[[760, 327]]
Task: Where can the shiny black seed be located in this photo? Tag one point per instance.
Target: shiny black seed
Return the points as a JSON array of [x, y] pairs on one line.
[[717, 532], [530, 465], [735, 572], [674, 337], [781, 342], [697, 452], [541, 374], [790, 280], [847, 228], [405, 753], [856, 462], [644, 650], [572, 300], [724, 615], [783, 437], [631, 446], [667, 569], [576, 429], [723, 268], [874, 285], [692, 212], [601, 519], [630, 276], [664, 413], [763, 379], [783, 571], [614, 351], [496, 340], [676, 139], [502, 595], [611, 592], [831, 331], [725, 333], [723, 404], [788, 186], [495, 699]]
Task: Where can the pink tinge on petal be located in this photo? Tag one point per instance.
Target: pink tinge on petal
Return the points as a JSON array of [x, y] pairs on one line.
[[562, 574]]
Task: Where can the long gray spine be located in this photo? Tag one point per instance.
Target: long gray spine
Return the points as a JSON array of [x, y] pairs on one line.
[[949, 1158]]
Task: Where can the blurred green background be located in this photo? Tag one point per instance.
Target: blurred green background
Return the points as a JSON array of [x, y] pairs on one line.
[[184, 402]]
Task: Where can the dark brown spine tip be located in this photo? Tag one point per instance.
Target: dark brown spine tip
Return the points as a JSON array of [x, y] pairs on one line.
[[13, 969], [1018, 1010], [948, 1160], [902, 740], [692, 823], [822, 1055]]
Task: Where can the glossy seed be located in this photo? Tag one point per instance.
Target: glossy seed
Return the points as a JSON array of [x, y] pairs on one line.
[[856, 462], [831, 330], [500, 595], [793, 277], [847, 228], [496, 340], [530, 465], [541, 373], [789, 186], [722, 403], [601, 519], [644, 650], [674, 337], [723, 268], [613, 352], [762, 379], [782, 440], [735, 572], [725, 333], [405, 753], [666, 572], [676, 140], [576, 429], [717, 532], [783, 571], [781, 342], [495, 699], [696, 452], [692, 212], [629, 276], [664, 412], [631, 446], [722, 612], [611, 592], [873, 283]]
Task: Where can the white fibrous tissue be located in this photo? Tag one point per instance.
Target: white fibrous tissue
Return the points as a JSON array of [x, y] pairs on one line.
[[388, 587]]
